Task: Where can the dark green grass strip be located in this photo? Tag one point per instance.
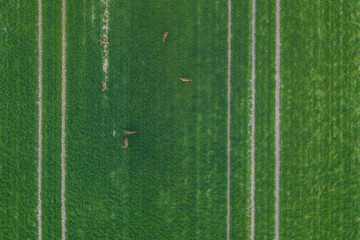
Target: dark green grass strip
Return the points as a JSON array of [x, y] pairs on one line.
[[240, 112], [119, 80], [181, 124], [51, 169], [320, 123], [211, 119], [18, 120], [177, 187], [265, 121], [97, 171], [89, 169], [171, 181]]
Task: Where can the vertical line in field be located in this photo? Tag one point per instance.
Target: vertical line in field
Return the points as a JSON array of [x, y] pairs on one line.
[[252, 121], [228, 122], [39, 207], [105, 37], [277, 121], [63, 115]]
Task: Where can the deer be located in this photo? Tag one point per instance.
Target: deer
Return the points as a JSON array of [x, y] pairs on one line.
[[185, 79], [103, 86], [103, 41], [125, 143], [164, 36], [129, 132]]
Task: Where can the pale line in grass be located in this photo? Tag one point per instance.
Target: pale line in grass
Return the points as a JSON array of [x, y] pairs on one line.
[[277, 122], [228, 122], [105, 37], [252, 121], [39, 207], [63, 115]]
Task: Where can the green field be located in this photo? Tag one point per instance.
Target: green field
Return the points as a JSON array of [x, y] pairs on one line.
[[171, 182]]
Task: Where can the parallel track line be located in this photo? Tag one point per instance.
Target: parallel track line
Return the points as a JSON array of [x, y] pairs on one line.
[[228, 123], [252, 121], [63, 122], [105, 36], [40, 77], [277, 123]]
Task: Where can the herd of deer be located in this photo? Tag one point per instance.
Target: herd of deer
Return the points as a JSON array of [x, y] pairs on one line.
[[104, 87]]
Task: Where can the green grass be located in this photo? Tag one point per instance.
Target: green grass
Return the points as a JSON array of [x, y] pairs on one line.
[[51, 171], [265, 121], [320, 120], [240, 114], [18, 121], [171, 183]]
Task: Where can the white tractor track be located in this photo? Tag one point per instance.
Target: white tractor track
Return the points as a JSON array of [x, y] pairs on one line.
[[63, 122], [39, 170], [277, 123], [105, 37], [228, 123], [252, 122]]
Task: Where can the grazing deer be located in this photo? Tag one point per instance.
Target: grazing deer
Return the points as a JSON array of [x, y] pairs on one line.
[[104, 41], [164, 36], [125, 143], [103, 86], [129, 132], [185, 79]]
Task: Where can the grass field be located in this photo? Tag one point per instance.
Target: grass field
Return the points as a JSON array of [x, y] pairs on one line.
[[221, 157]]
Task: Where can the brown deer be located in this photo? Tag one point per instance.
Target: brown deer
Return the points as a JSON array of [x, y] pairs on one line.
[[125, 143], [103, 86], [185, 79], [164, 36], [104, 41], [129, 132]]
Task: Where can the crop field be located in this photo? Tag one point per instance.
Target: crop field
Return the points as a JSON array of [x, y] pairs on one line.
[[262, 140]]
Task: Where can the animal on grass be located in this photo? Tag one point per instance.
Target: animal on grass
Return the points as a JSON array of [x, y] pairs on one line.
[[125, 143], [129, 132], [104, 41], [185, 79], [103, 86], [164, 36]]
